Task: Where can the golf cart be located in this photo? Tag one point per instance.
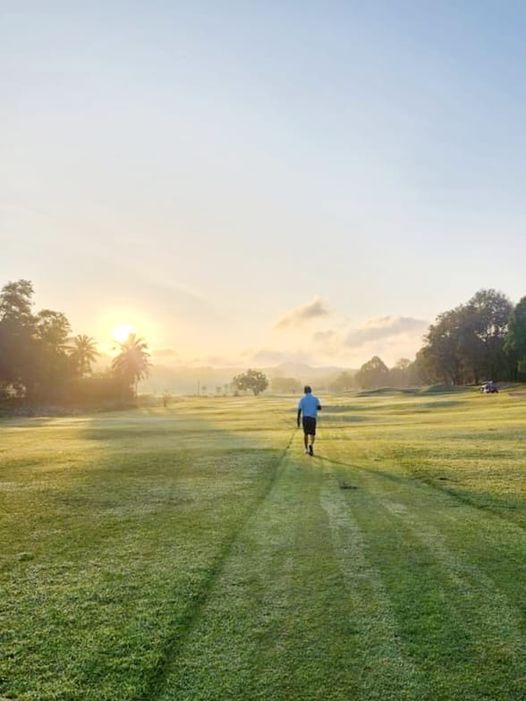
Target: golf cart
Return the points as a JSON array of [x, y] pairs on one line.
[[489, 388]]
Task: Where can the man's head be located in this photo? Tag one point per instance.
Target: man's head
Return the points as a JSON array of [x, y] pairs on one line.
[[307, 389]]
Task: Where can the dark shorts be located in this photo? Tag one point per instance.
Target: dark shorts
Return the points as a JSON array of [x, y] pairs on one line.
[[309, 425]]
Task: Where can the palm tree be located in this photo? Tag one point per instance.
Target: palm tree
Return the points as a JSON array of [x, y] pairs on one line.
[[83, 353], [132, 364]]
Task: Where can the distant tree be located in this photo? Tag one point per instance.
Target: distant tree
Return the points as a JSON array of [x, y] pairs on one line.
[[83, 353], [285, 385], [38, 363], [16, 302], [17, 342], [416, 372], [33, 347], [399, 375], [423, 368], [515, 343], [53, 328], [252, 380], [468, 342], [453, 350], [52, 331], [342, 382], [132, 364], [491, 311], [441, 353], [372, 374]]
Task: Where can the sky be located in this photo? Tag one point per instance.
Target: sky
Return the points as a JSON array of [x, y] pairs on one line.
[[251, 183]]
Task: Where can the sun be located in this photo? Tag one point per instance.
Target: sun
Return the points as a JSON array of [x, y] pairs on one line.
[[121, 332]]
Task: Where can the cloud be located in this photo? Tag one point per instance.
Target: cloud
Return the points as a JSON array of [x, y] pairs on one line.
[[323, 336], [382, 329], [302, 314]]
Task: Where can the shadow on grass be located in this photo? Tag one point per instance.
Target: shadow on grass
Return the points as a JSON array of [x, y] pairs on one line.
[[381, 473], [230, 444], [481, 501], [387, 391], [346, 419], [344, 408], [438, 404], [112, 498]]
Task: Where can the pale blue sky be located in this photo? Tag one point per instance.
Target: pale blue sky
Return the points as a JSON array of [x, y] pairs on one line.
[[199, 169]]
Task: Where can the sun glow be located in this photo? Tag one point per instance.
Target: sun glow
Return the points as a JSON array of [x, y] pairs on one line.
[[121, 332], [115, 323]]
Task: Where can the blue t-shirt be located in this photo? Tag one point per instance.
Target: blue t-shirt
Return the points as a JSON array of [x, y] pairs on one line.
[[309, 405]]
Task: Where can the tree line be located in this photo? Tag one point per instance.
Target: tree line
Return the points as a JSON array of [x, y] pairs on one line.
[[484, 339], [40, 361], [373, 373], [481, 340]]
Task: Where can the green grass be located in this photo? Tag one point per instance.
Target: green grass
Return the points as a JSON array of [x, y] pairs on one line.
[[195, 553]]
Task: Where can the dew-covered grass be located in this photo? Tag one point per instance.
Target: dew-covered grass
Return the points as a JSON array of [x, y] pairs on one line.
[[195, 553]]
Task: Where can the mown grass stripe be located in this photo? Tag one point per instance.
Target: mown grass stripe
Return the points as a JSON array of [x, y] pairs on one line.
[[174, 644], [387, 664], [459, 601]]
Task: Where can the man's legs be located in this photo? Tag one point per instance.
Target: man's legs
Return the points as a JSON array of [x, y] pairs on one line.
[[309, 432], [308, 439], [311, 443]]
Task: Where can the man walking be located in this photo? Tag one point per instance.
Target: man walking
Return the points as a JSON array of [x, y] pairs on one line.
[[309, 406]]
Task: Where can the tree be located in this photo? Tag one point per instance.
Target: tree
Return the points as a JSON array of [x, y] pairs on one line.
[[33, 357], [441, 353], [132, 364], [52, 331], [252, 380], [515, 343], [53, 328], [399, 374], [469, 342], [38, 362], [491, 311], [417, 372], [16, 302], [374, 373], [453, 350], [17, 342], [83, 354]]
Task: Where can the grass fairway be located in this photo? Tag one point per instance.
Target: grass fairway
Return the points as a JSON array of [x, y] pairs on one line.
[[195, 553]]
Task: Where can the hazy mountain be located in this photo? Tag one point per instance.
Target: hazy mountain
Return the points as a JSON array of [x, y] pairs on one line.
[[304, 372]]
